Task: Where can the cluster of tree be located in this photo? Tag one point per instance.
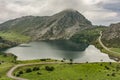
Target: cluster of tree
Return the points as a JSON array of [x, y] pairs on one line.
[[49, 68], [87, 36], [27, 70]]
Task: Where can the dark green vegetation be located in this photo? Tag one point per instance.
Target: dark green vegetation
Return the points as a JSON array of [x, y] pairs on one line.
[[88, 36], [6, 62], [6, 43], [89, 71], [10, 39]]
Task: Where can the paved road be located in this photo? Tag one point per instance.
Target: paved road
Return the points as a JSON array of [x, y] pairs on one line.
[[10, 72], [99, 39]]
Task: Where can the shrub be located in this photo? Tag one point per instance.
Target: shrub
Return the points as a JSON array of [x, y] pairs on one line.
[[39, 73], [42, 59], [101, 64], [20, 72], [108, 74], [107, 68], [110, 63], [80, 79], [117, 68], [28, 70], [17, 75], [113, 74], [36, 68], [49, 68]]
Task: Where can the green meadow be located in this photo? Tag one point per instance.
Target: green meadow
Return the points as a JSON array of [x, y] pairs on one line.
[[116, 49], [89, 71], [6, 62], [14, 37]]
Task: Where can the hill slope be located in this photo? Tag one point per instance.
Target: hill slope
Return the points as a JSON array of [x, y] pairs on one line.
[[111, 37], [62, 25]]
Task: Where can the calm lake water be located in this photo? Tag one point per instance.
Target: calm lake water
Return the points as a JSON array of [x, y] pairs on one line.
[[58, 50]]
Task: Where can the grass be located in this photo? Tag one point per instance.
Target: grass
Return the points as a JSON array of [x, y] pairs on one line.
[[112, 55], [90, 71], [6, 62], [36, 61], [14, 37], [115, 49]]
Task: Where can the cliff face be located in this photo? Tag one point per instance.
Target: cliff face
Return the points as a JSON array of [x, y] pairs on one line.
[[111, 37], [62, 25]]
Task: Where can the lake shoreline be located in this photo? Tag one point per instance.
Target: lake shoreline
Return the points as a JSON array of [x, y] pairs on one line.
[[41, 50]]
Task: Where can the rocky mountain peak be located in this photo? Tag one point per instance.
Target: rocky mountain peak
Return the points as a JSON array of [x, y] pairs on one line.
[[62, 25]]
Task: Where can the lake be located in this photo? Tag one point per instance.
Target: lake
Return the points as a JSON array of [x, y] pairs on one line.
[[58, 50]]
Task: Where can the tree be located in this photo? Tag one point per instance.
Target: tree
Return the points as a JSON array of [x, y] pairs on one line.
[[64, 59], [71, 61]]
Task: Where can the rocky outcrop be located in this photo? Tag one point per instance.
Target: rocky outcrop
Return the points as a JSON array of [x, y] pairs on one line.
[[111, 37]]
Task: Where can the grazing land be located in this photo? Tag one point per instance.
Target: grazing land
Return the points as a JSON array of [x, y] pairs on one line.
[[14, 37], [89, 71], [116, 49], [6, 62]]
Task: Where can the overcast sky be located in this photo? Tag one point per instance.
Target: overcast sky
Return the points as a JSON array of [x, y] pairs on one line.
[[100, 12]]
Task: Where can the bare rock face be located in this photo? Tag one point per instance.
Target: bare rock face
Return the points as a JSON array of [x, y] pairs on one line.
[[62, 25], [111, 37]]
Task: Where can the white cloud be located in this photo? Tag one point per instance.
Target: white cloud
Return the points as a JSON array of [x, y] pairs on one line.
[[100, 17], [92, 9]]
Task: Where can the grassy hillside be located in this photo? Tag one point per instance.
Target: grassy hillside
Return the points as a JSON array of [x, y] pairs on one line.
[[90, 71], [14, 37], [115, 49], [6, 62], [88, 36], [111, 36]]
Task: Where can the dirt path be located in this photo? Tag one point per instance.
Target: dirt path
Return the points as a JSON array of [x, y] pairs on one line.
[[10, 72], [99, 39]]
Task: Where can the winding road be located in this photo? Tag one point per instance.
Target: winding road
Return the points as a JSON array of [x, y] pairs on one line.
[[99, 39], [10, 72]]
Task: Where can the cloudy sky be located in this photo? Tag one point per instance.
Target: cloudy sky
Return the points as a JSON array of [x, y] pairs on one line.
[[100, 12]]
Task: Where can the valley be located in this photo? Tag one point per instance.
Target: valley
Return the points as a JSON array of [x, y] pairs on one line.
[[63, 44]]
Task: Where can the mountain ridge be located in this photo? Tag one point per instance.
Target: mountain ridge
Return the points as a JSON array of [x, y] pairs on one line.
[[61, 25]]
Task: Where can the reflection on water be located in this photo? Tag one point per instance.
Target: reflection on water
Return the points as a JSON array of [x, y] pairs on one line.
[[58, 50]]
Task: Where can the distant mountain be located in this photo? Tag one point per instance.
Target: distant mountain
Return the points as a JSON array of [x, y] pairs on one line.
[[111, 36], [62, 25]]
